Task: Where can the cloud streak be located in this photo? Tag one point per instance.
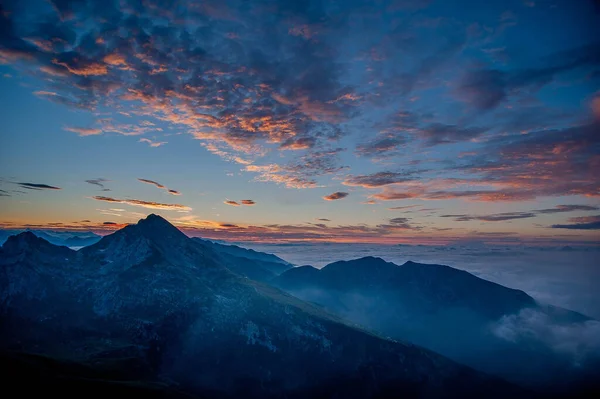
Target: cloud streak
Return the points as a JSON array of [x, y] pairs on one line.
[[158, 185], [38, 186], [144, 204]]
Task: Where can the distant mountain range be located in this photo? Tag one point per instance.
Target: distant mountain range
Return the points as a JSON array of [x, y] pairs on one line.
[[147, 310], [65, 238], [476, 322]]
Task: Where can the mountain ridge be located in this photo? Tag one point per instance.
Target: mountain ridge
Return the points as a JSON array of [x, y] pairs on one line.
[[170, 307], [447, 310]]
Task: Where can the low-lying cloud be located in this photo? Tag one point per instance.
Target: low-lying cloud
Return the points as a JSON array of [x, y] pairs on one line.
[[579, 341]]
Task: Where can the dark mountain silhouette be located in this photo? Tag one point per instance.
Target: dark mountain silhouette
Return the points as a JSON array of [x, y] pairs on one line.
[[485, 325], [148, 310]]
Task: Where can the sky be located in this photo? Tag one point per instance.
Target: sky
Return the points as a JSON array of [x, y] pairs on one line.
[[387, 121]]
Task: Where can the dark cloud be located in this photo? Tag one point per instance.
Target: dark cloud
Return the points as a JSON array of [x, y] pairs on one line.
[[324, 220], [485, 89], [152, 182], [99, 182], [37, 186], [581, 223], [229, 225], [567, 208], [232, 203], [109, 223], [378, 179], [247, 202], [399, 220], [335, 196], [4, 193], [498, 217]]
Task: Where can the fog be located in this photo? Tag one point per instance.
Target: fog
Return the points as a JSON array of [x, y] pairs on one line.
[[566, 277]]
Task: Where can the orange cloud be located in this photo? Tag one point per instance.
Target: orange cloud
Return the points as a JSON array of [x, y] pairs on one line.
[[91, 69], [335, 196]]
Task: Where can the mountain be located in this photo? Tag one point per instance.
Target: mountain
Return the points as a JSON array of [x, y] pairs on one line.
[[147, 309], [66, 238], [474, 321], [247, 262]]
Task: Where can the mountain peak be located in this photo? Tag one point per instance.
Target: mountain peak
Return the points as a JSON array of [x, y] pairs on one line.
[[157, 227], [154, 221], [24, 239]]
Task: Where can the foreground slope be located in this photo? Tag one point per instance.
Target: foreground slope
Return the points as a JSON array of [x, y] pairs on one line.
[[485, 325], [148, 304]]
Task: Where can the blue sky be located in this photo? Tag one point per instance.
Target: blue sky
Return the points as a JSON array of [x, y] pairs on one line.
[[395, 120]]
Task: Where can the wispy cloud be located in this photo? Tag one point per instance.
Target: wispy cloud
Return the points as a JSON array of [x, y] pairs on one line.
[[396, 208], [567, 208], [498, 217], [83, 131], [232, 203], [99, 182], [248, 202]]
